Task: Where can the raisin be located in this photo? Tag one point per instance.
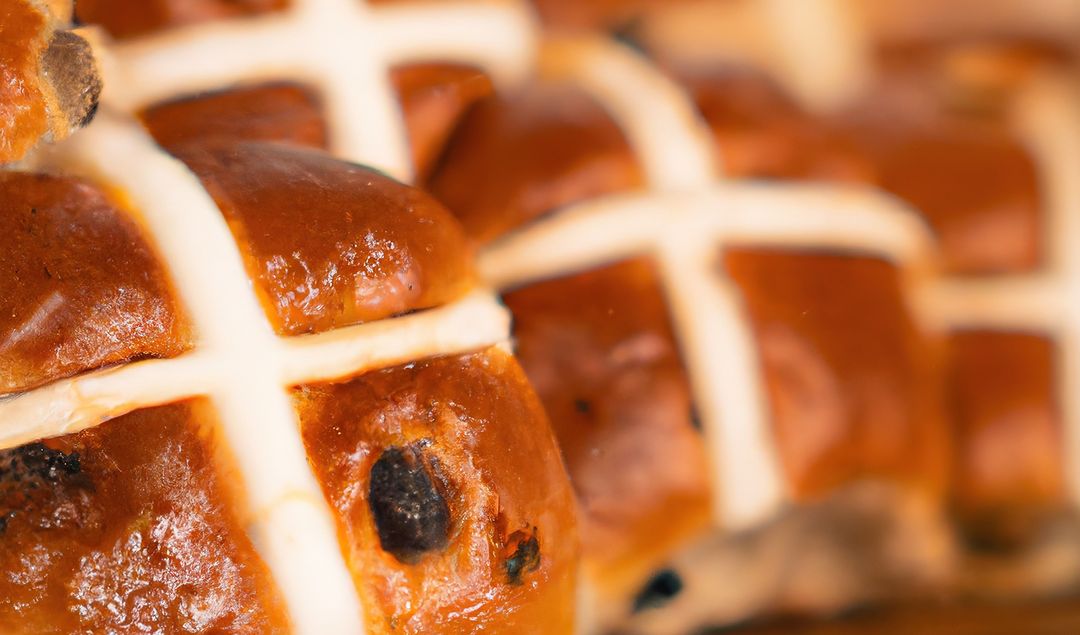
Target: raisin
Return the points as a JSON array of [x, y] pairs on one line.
[[411, 514], [663, 586], [525, 558]]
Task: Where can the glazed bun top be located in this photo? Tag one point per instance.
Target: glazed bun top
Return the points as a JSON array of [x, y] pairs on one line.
[[85, 288], [399, 386]]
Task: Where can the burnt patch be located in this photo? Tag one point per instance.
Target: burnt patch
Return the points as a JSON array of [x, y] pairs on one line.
[[659, 590], [407, 502], [523, 555], [36, 461], [35, 481]]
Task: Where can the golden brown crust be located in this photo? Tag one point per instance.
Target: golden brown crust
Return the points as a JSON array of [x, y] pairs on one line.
[[600, 350], [762, 133], [23, 109], [854, 387], [82, 287], [937, 132], [516, 158], [271, 112], [915, 137], [970, 177], [1009, 466], [130, 18], [434, 98], [503, 557], [128, 527], [328, 243]]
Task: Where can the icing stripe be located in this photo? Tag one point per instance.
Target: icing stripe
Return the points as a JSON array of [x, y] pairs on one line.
[[676, 151], [685, 231], [1047, 114], [1048, 117], [790, 216], [822, 53], [440, 31], [669, 138], [684, 220], [71, 405], [340, 47], [256, 415]]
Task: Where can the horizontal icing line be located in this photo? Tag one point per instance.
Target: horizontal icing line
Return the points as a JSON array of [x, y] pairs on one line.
[[473, 322], [71, 405], [785, 216], [1048, 117], [257, 418], [438, 31], [583, 235], [664, 127], [820, 216], [328, 45], [1023, 303], [339, 47], [78, 403], [145, 70]]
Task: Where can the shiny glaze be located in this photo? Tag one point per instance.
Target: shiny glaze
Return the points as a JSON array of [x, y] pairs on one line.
[[851, 396], [518, 157], [434, 98], [492, 455], [934, 132], [130, 18], [23, 114], [600, 350], [271, 112], [81, 287], [329, 243], [128, 527], [854, 386]]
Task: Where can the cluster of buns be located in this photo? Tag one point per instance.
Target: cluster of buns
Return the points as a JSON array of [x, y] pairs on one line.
[[794, 317]]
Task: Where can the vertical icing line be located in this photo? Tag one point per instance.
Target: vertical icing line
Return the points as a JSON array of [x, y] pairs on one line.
[[662, 124], [447, 31], [342, 48], [292, 524], [822, 50], [719, 349], [677, 153], [1048, 117]]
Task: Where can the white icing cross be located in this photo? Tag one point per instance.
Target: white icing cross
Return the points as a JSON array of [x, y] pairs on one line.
[[241, 365], [340, 47], [686, 231], [1048, 117], [344, 50], [684, 222]]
